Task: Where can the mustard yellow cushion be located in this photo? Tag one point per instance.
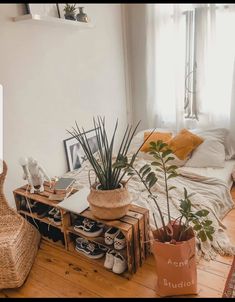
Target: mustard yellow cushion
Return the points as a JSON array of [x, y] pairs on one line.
[[184, 143], [154, 137]]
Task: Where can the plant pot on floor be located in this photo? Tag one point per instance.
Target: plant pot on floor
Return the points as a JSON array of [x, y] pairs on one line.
[[109, 204], [175, 264]]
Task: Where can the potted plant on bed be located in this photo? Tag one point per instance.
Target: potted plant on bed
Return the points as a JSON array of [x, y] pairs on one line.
[[109, 198], [173, 240]]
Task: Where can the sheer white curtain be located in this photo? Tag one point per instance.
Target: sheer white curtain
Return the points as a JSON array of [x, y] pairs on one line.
[[214, 55], [165, 64]]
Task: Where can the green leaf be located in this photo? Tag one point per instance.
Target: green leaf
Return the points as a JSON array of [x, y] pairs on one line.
[[172, 175], [202, 213], [153, 145], [155, 163], [202, 235], [207, 222], [173, 167], [209, 236], [165, 153], [197, 227], [143, 168], [150, 176], [152, 182], [146, 171], [171, 188], [169, 158]]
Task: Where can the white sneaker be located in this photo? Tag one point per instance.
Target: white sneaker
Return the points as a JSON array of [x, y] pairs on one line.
[[110, 234], [119, 241], [109, 259], [120, 264]]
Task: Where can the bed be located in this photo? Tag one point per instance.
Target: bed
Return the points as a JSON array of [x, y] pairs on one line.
[[212, 191]]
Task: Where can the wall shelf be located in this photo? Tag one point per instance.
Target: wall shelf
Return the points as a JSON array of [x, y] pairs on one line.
[[33, 18]]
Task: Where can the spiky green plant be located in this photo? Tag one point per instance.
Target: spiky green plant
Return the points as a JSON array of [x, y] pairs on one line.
[[103, 162], [70, 8]]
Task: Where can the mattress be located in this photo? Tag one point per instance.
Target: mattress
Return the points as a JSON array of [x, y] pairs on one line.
[[220, 173]]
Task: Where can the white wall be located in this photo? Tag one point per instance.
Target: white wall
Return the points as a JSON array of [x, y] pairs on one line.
[[53, 76], [136, 43]]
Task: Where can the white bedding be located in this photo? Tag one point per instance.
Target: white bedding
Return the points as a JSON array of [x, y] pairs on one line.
[[223, 174]]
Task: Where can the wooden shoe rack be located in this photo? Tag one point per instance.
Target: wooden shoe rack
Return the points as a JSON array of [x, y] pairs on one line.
[[134, 226]]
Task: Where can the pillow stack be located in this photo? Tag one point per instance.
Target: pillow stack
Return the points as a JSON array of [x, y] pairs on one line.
[[195, 148]]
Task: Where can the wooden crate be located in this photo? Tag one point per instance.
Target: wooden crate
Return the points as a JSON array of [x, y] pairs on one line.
[[134, 226]]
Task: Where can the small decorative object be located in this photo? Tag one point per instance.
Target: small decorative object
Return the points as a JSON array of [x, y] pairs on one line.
[[81, 16], [74, 151], [173, 243], [49, 9], [109, 198], [34, 173], [70, 11]]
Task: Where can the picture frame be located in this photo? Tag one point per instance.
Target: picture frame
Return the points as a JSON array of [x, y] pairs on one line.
[[75, 155], [43, 9]]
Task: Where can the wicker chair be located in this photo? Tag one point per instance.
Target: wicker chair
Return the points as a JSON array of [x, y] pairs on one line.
[[19, 241]]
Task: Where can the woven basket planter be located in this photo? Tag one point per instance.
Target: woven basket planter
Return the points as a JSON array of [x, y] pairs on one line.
[[109, 204]]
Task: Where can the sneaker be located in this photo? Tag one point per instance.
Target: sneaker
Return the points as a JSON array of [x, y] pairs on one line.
[[51, 213], [31, 206], [42, 211], [88, 227], [89, 249], [120, 264], [57, 217], [109, 259], [110, 234], [119, 241]]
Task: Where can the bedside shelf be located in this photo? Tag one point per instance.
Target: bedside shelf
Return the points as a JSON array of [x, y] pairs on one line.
[[29, 18]]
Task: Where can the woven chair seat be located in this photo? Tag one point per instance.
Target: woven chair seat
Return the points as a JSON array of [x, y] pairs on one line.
[[19, 241]]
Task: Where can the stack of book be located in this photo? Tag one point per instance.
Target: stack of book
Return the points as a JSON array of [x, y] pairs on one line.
[[62, 188]]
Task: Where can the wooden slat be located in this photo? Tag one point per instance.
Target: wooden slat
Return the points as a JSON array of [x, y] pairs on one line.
[[135, 249], [141, 234]]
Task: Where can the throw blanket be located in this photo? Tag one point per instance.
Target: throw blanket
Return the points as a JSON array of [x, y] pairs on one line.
[[210, 193]]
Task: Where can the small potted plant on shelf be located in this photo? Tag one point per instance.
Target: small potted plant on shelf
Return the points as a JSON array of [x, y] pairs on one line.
[[70, 11], [109, 198], [173, 240]]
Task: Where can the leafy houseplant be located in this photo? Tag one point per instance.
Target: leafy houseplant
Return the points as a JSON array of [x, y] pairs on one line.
[[109, 197], [163, 155], [70, 11], [173, 242]]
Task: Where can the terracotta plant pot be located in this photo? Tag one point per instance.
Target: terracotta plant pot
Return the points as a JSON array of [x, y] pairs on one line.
[[109, 204]]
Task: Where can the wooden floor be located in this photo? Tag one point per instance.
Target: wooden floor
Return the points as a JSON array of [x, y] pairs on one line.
[[58, 274]]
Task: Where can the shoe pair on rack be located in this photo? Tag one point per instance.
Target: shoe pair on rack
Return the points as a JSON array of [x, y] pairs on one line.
[[90, 249], [115, 262], [42, 210], [115, 236], [54, 215], [88, 227]]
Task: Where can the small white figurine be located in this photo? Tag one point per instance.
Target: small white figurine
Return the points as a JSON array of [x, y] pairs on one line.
[[34, 173]]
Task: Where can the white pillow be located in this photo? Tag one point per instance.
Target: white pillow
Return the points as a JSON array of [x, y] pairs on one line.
[[210, 153], [229, 147], [223, 135], [138, 139]]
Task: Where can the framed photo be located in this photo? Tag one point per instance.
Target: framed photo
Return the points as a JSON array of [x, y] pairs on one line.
[[43, 9], [74, 152]]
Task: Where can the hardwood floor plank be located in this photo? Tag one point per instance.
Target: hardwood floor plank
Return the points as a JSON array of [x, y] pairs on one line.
[[62, 286], [31, 289], [96, 279]]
